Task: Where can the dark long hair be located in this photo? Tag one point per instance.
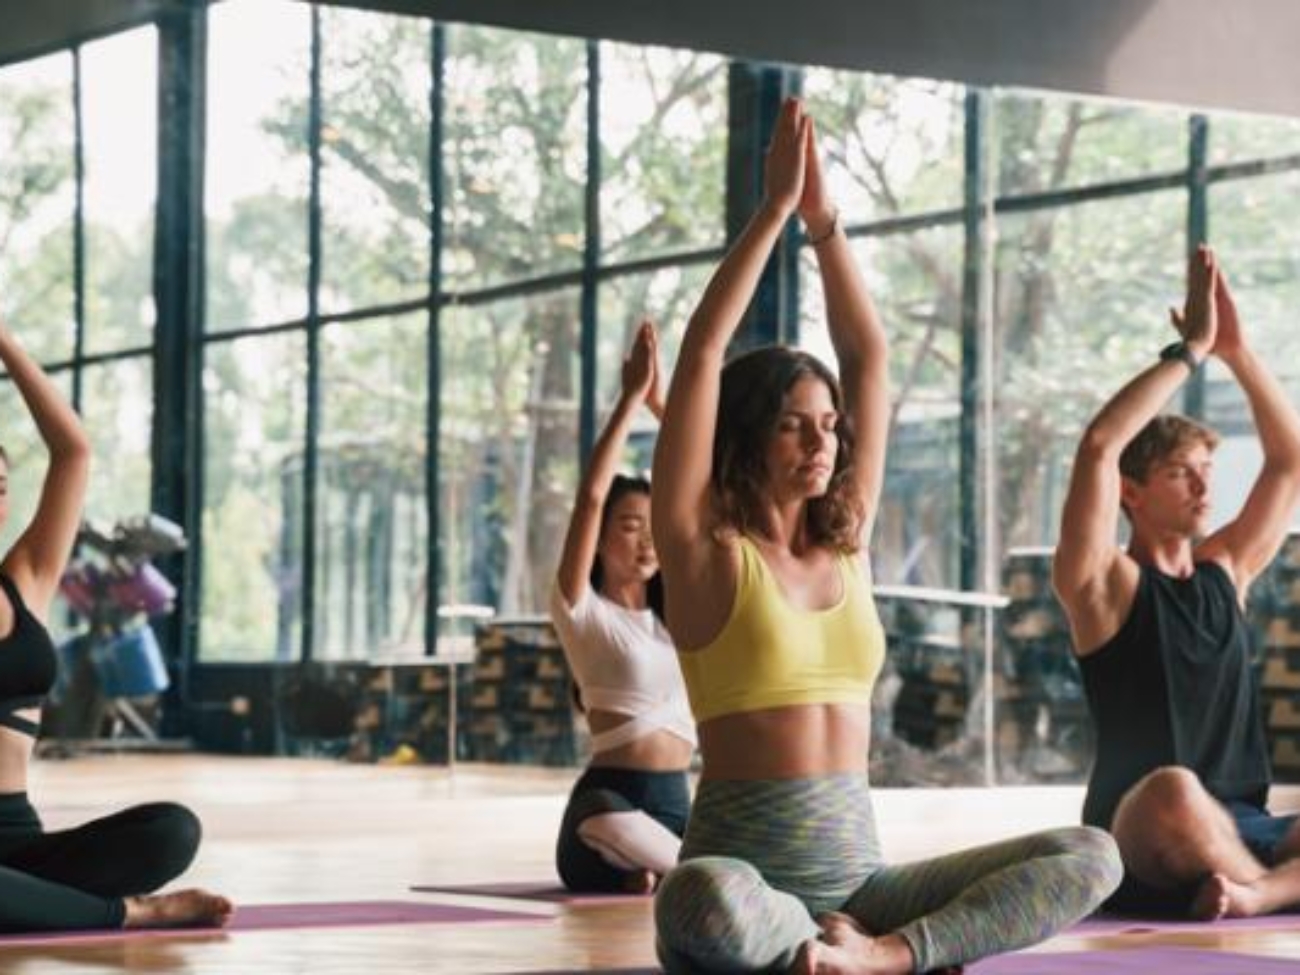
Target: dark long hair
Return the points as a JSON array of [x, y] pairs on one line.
[[621, 486], [750, 401]]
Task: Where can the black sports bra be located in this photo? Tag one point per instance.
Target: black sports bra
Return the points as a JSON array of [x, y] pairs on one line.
[[28, 664]]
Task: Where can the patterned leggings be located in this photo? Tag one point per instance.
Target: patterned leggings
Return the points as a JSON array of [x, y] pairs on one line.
[[762, 859]]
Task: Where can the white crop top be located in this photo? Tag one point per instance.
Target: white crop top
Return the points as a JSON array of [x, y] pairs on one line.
[[624, 662]]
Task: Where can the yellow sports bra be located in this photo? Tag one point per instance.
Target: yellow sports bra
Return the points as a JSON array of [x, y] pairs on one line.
[[771, 654]]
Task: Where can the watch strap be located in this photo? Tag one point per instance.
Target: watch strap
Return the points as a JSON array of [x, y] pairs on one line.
[[1183, 353]]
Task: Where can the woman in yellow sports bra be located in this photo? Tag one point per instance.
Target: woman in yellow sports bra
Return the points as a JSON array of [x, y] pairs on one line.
[[767, 475]]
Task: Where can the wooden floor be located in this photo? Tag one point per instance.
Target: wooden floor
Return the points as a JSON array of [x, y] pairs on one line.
[[293, 830]]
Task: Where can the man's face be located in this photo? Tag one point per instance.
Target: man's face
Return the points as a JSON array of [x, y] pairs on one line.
[[1175, 497]]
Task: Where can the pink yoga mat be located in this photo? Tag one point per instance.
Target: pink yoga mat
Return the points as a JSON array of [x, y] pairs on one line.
[[271, 917], [1155, 960], [530, 890], [1098, 926]]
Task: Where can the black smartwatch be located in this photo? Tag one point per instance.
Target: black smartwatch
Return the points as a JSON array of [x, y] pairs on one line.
[[1183, 353]]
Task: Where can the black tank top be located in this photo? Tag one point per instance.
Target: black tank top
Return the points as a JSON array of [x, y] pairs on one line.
[[1175, 687], [28, 664]]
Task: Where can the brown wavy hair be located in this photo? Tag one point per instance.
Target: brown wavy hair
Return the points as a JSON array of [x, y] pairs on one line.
[[750, 401]]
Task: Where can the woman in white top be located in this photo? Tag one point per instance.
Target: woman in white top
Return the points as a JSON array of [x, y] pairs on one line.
[[626, 815]]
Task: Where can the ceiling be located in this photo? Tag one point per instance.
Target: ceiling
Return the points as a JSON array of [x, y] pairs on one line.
[[1213, 54]]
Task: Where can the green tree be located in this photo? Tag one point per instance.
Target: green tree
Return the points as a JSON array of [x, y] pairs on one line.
[[514, 155]]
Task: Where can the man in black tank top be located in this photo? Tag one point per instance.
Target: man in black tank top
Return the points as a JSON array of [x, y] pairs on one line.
[[1181, 774]]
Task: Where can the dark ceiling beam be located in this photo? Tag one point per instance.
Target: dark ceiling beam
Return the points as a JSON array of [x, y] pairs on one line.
[[1200, 53], [31, 28]]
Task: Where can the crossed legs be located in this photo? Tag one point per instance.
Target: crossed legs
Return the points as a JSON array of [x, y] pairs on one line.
[[1173, 834], [786, 875], [100, 874]]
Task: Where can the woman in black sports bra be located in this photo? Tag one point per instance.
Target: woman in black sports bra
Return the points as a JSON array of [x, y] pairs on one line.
[[100, 874]]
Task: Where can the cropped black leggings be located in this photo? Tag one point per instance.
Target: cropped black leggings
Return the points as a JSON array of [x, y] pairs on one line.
[[76, 879]]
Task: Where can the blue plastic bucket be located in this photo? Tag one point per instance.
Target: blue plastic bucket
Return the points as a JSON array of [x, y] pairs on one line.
[[130, 665]]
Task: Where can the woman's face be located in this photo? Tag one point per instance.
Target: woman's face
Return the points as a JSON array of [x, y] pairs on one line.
[[800, 456], [627, 553]]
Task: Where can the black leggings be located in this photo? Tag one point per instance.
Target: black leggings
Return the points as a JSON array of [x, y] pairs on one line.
[[664, 796], [76, 879]]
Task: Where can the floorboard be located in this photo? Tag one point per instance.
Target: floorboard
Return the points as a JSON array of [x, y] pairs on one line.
[[296, 830]]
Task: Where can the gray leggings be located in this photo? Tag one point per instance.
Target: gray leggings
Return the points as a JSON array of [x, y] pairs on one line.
[[762, 859]]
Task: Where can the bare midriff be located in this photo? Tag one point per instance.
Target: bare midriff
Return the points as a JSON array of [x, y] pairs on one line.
[[16, 754], [801, 741], [659, 751]]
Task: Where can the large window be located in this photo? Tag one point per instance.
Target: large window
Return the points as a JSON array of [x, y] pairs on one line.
[[371, 531], [497, 265], [253, 410], [413, 234], [893, 152], [76, 235], [38, 204], [257, 172], [507, 458], [514, 153], [118, 82], [1020, 288], [663, 126], [375, 76], [1080, 299], [1049, 142]]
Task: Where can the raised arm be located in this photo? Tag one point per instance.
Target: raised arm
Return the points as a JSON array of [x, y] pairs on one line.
[[856, 333], [1248, 543], [684, 452], [38, 557], [1087, 556], [640, 377]]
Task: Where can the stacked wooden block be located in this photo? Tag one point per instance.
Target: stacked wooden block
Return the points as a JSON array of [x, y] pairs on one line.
[[926, 654], [1043, 727], [1274, 613], [407, 704], [521, 707]]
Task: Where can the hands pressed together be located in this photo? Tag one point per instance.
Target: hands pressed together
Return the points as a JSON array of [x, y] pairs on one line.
[[793, 181], [642, 371], [1208, 323]]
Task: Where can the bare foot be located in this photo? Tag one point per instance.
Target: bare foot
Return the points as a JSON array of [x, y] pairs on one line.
[[183, 909], [641, 882], [845, 948], [1220, 897]]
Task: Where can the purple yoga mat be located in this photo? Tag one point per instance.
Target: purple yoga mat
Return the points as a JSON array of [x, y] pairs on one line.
[[1098, 926], [1159, 960], [530, 890], [267, 917], [271, 917], [1154, 960]]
